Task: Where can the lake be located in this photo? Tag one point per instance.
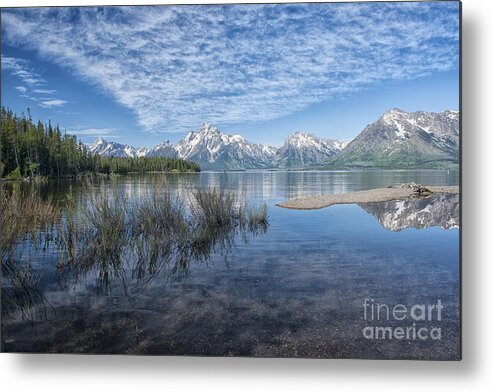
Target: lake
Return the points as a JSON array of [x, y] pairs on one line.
[[319, 284]]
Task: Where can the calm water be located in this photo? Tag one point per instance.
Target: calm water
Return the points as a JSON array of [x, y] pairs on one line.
[[296, 290]]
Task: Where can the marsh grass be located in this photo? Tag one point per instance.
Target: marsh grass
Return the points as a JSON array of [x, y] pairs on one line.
[[159, 216], [26, 218], [216, 207], [106, 221], [20, 290], [157, 231], [115, 239], [95, 236], [258, 219], [158, 225], [23, 216]]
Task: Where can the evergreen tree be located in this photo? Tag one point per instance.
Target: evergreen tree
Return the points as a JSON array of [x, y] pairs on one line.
[[28, 149]]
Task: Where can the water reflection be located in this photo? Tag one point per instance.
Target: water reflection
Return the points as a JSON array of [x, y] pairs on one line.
[[266, 185], [419, 213], [295, 289], [121, 241]]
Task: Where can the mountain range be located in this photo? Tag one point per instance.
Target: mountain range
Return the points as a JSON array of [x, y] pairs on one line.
[[401, 139], [397, 139]]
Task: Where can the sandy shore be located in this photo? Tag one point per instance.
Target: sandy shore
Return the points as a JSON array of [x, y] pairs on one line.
[[399, 192]]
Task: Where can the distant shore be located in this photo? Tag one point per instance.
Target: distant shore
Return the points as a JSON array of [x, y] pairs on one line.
[[397, 192]]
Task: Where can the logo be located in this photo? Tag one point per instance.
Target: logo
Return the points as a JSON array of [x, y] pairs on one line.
[[401, 322]]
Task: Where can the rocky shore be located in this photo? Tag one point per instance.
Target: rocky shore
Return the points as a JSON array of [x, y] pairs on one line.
[[396, 192]]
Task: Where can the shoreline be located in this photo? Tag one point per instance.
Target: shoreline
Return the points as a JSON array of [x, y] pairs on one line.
[[398, 192]]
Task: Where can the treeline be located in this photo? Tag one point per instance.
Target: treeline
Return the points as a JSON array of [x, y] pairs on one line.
[[144, 165], [29, 149]]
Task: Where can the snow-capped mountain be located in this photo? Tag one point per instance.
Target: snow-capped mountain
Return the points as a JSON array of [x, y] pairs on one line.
[[107, 148], [420, 213], [397, 139], [305, 149], [163, 149], [213, 149], [405, 139], [207, 146]]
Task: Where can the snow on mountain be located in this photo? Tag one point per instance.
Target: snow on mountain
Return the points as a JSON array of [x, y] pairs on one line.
[[163, 149], [213, 149], [306, 149], [420, 213], [207, 146], [397, 139], [405, 139], [107, 148]]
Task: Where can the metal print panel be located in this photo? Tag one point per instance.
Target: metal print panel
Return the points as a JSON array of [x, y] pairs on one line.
[[265, 180]]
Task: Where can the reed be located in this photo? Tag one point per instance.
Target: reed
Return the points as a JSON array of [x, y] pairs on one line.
[[216, 207], [95, 236], [20, 290], [158, 225], [157, 231], [106, 225], [159, 216], [258, 219], [22, 216]]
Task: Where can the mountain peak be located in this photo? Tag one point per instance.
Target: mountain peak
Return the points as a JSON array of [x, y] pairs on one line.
[[214, 149], [405, 139], [99, 140], [298, 134], [392, 114], [305, 149], [395, 110], [301, 138], [208, 128]]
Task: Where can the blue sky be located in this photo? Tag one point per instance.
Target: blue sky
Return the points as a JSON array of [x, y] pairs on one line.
[[140, 75]]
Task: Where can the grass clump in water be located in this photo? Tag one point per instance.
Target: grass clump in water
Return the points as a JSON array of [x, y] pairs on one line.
[[158, 225], [107, 223], [96, 235], [216, 207], [258, 219], [155, 231], [23, 217], [160, 216]]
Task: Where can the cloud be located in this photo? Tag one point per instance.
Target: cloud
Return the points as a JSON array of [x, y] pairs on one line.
[[21, 69], [93, 131], [85, 132], [43, 91], [49, 103], [176, 66]]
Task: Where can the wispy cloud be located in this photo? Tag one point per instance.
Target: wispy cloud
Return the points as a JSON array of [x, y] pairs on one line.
[[95, 131], [84, 131], [50, 103], [178, 66], [43, 91], [21, 89], [21, 69]]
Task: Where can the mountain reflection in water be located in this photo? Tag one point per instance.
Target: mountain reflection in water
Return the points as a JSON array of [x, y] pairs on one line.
[[292, 289], [420, 213]]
